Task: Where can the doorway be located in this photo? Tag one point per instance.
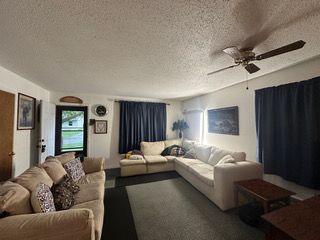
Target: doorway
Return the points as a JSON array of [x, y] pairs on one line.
[[6, 134], [71, 130]]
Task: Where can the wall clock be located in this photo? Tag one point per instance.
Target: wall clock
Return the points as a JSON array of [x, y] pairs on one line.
[[100, 110]]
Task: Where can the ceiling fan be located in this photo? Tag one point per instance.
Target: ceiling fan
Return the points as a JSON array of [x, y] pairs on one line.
[[244, 57]]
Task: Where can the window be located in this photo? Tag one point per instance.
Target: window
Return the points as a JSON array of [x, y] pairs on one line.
[[71, 130]]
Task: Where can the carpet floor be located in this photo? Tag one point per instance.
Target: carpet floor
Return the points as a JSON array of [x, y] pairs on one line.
[[174, 210]]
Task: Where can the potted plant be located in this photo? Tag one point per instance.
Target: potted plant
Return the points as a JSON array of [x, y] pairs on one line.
[[180, 125]]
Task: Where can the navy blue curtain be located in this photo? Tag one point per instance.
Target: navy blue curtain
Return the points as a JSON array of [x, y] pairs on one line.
[[141, 121], [288, 131]]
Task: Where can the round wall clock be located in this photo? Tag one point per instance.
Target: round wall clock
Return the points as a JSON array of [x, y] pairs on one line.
[[101, 110]]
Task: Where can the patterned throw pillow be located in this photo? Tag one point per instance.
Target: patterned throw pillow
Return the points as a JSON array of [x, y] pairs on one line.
[[74, 169], [42, 199], [177, 151], [69, 184], [63, 194]]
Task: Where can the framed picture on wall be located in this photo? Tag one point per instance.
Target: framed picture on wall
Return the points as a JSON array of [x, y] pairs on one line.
[[100, 126], [26, 112], [224, 121]]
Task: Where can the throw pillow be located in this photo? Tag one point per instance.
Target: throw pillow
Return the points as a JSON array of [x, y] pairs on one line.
[[63, 193], [54, 169], [177, 151], [190, 154], [227, 159], [14, 199], [136, 157], [42, 199], [188, 144], [202, 152], [74, 169], [33, 176]]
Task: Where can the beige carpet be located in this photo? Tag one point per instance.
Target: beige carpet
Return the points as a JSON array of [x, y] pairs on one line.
[[174, 210]]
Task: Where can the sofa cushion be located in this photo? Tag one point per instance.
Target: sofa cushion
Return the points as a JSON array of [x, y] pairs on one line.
[[89, 192], [127, 162], [64, 158], [54, 169], [202, 152], [97, 208], [14, 199], [74, 169], [96, 177], [219, 153], [32, 177], [186, 162], [153, 159], [191, 153], [188, 144], [171, 142], [152, 148], [170, 158], [204, 172], [42, 199]]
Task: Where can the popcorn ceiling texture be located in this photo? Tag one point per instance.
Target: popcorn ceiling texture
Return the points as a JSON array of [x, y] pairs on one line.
[[149, 48]]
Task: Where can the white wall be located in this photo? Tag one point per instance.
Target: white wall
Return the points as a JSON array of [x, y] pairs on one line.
[[106, 145], [237, 95], [25, 141]]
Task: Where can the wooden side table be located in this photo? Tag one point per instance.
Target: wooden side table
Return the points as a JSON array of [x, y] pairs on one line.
[[264, 192], [299, 221]]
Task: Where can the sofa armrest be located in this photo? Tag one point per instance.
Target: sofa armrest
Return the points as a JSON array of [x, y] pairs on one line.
[[226, 174], [68, 224], [91, 164]]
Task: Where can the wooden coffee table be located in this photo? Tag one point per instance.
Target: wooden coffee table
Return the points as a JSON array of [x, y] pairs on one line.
[[264, 192], [299, 221]]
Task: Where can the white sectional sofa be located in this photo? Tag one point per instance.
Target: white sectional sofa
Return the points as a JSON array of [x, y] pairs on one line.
[[213, 172]]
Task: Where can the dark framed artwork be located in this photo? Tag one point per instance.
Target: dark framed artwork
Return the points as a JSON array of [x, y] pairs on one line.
[[100, 126], [224, 120], [26, 112]]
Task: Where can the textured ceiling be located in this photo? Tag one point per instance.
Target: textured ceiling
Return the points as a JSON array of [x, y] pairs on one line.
[[149, 48]]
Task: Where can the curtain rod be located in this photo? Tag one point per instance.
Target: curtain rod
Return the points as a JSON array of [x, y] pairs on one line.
[[168, 104]]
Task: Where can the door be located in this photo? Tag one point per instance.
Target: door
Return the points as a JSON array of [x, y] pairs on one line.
[[6, 134], [47, 130], [71, 130]]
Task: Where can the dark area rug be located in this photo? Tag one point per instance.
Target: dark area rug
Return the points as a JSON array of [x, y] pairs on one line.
[[127, 181], [118, 220]]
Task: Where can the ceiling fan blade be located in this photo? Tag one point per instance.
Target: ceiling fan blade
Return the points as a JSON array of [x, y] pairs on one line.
[[252, 68], [288, 48], [233, 52], [220, 70]]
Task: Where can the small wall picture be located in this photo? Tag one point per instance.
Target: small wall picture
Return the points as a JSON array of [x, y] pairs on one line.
[[26, 112], [224, 121], [100, 127]]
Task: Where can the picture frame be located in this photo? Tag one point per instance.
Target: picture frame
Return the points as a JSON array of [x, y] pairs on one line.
[[100, 127], [26, 112], [224, 120]]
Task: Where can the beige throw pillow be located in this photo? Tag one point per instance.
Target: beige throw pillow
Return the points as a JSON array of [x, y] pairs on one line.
[[14, 199], [227, 159], [54, 169], [64, 158], [33, 176], [219, 153], [202, 152]]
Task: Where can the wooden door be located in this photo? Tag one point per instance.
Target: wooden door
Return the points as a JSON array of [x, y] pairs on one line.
[[6, 134]]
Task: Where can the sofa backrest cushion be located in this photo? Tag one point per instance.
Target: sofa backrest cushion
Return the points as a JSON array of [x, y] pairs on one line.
[[152, 148], [171, 142], [42, 199], [188, 144], [14, 199], [54, 169], [65, 157], [202, 152], [32, 177], [219, 153]]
